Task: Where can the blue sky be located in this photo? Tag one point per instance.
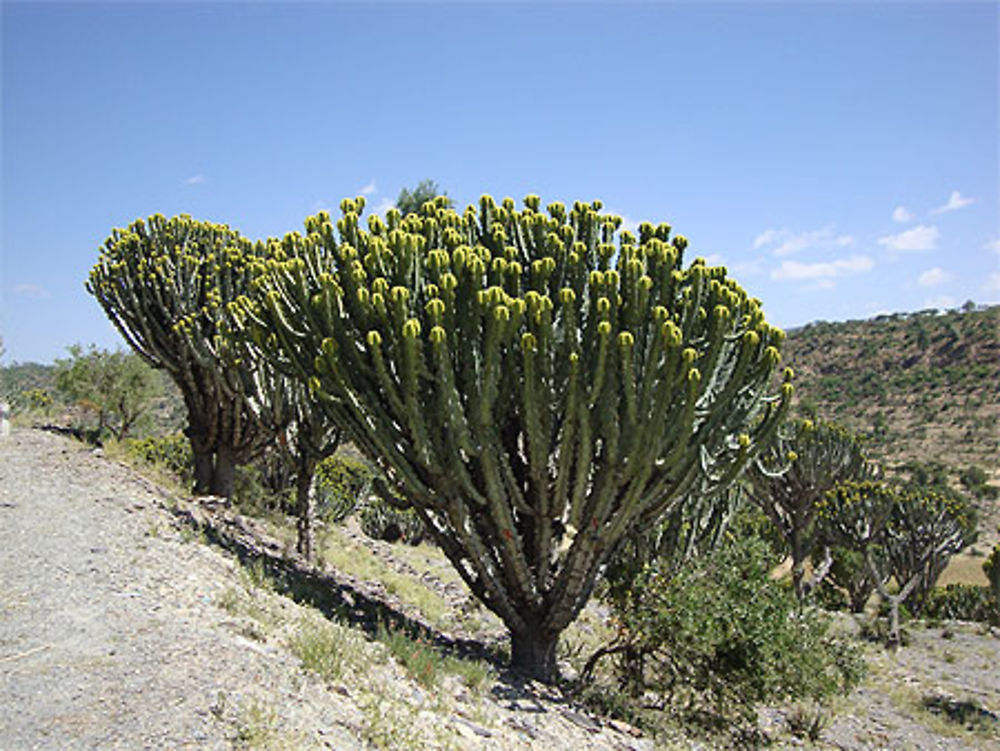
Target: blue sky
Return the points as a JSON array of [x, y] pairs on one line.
[[840, 159]]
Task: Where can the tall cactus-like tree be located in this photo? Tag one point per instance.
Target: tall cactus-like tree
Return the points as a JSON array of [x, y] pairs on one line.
[[534, 389], [928, 527], [163, 283], [790, 479]]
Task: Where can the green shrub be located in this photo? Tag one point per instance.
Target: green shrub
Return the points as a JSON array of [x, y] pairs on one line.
[[991, 567], [35, 399], [962, 602], [849, 574], [720, 636], [341, 483], [170, 453], [381, 520]]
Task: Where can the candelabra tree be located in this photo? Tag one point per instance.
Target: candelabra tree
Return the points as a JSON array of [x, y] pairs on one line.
[[163, 284], [927, 528], [790, 478], [906, 535], [535, 390]]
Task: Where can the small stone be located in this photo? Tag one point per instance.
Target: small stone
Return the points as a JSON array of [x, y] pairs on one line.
[[581, 720], [523, 726], [625, 728], [465, 727]]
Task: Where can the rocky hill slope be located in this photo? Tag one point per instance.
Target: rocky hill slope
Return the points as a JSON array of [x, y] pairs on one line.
[[923, 386]]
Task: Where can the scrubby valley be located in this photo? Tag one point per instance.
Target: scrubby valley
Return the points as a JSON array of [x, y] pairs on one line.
[[401, 607]]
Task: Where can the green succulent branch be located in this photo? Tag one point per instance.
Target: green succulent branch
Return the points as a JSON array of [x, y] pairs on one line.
[[163, 284], [535, 389]]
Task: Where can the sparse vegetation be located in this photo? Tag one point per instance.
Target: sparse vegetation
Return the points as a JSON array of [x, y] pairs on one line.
[[930, 373]]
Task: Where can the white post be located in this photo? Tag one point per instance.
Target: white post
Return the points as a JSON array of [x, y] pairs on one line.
[[4, 419]]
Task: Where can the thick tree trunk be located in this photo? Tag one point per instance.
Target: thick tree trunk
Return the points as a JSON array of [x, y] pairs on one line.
[[533, 654], [798, 564], [203, 467], [224, 473], [305, 510], [201, 451]]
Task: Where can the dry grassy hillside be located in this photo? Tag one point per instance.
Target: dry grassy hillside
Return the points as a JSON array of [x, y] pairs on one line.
[[923, 387]]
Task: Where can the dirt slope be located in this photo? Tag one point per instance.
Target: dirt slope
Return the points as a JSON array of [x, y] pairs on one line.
[[121, 628]]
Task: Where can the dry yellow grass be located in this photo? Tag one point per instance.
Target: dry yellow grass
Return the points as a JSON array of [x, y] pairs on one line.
[[964, 569]]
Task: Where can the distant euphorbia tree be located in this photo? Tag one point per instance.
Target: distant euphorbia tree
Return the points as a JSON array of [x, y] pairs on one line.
[[906, 535], [789, 480], [410, 201], [163, 283], [533, 388]]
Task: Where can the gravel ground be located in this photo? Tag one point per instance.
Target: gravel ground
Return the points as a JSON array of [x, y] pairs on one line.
[[113, 636], [121, 629]]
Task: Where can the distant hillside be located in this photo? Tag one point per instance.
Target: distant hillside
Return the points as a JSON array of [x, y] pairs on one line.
[[922, 386]]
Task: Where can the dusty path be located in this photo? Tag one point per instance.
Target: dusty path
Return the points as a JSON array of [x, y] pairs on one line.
[[115, 634], [109, 635]]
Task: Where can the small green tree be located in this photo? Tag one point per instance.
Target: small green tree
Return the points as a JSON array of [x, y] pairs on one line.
[[533, 389], [411, 201], [790, 479], [118, 386]]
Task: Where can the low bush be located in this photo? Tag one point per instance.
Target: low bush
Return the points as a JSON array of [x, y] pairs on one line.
[[720, 636], [341, 483], [170, 453], [991, 567], [380, 520], [962, 602]]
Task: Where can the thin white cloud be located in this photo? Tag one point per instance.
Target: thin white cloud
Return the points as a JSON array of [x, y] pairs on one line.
[[382, 206], [920, 237], [195, 180], [766, 238], [786, 242], [822, 271], [941, 303], [370, 189], [33, 291], [902, 214], [993, 245], [933, 277], [955, 201], [992, 282], [629, 224]]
